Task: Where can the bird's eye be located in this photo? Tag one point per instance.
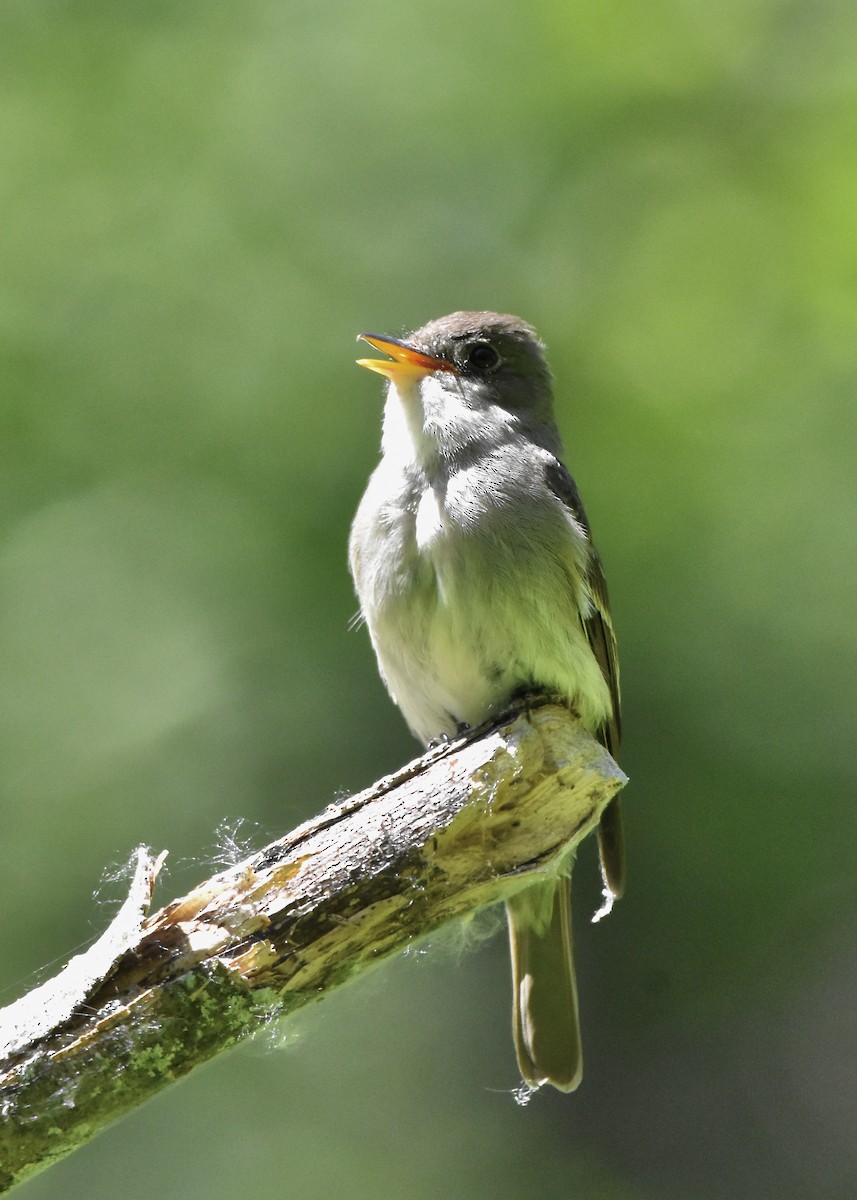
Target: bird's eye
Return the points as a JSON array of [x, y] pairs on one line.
[[483, 357]]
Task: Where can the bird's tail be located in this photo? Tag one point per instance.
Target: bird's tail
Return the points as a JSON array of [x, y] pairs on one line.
[[546, 1025]]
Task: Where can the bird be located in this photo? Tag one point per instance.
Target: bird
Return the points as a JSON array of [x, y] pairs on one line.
[[478, 582]]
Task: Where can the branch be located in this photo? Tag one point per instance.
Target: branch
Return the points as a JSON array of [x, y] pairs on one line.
[[461, 827]]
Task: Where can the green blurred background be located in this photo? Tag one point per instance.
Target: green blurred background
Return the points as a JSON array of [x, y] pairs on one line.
[[202, 203]]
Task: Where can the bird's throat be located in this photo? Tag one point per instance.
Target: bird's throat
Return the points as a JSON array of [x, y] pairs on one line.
[[408, 437]]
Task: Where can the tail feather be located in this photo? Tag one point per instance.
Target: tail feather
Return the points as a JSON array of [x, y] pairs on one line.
[[546, 1024]]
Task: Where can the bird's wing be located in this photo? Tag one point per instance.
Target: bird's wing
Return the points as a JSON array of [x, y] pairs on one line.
[[598, 627]]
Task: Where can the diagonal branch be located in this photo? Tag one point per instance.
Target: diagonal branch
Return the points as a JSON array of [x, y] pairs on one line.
[[461, 827]]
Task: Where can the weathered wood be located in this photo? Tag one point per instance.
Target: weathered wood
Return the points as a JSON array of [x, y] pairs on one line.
[[459, 828]]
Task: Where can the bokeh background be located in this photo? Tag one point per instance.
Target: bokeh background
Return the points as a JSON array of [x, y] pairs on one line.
[[202, 203]]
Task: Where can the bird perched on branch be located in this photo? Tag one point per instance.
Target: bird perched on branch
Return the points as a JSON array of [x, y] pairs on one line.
[[478, 581]]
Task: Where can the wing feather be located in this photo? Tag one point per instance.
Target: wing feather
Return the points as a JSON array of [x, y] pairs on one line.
[[598, 627]]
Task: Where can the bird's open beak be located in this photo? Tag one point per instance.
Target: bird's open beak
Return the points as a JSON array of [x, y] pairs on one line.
[[404, 363]]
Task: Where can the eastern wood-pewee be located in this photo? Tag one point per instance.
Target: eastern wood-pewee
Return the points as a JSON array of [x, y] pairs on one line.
[[478, 581]]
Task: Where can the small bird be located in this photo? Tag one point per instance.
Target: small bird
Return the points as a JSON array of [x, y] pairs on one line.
[[478, 582]]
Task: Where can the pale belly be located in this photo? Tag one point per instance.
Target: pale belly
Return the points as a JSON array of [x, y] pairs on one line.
[[464, 613]]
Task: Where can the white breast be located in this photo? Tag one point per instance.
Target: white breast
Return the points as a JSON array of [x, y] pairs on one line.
[[430, 523]]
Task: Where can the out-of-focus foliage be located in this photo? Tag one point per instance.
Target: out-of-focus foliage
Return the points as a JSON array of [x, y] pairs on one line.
[[202, 203]]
